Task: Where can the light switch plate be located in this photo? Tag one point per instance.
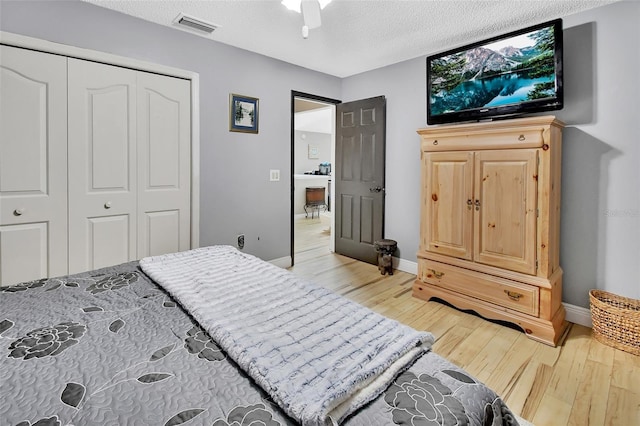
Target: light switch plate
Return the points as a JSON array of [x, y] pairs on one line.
[[274, 175]]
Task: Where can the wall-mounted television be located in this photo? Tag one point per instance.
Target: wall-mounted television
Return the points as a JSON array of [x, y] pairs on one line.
[[515, 73]]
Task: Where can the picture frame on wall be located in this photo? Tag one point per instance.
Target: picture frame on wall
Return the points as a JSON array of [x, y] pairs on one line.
[[243, 113], [313, 152]]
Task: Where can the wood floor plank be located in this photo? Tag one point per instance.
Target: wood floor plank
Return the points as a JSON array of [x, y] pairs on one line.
[[552, 412], [590, 405], [623, 407], [533, 401], [580, 382], [566, 378]]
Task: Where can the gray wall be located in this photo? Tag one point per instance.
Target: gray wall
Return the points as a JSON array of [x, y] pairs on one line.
[[235, 193], [600, 239], [601, 177], [303, 139]]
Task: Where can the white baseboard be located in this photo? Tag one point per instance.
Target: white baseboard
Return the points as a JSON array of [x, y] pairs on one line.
[[578, 315], [282, 262], [575, 314], [405, 265]]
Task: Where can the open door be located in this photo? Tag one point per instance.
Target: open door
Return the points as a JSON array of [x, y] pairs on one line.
[[359, 177], [302, 159]]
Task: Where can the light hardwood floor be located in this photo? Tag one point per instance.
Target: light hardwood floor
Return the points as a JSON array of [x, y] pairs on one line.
[[581, 382]]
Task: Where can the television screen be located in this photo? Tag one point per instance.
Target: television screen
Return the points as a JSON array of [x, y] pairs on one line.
[[515, 73]]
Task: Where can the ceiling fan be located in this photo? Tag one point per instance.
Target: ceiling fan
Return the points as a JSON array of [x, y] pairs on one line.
[[310, 10]]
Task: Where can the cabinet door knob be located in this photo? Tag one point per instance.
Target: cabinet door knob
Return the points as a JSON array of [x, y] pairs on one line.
[[18, 212], [477, 205], [107, 205]]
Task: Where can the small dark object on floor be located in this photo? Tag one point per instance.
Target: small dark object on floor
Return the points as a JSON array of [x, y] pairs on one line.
[[385, 249]]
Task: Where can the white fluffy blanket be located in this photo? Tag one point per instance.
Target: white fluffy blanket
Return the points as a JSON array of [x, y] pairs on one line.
[[317, 354]]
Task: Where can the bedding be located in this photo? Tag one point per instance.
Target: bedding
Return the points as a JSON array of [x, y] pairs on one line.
[[113, 347], [318, 355]]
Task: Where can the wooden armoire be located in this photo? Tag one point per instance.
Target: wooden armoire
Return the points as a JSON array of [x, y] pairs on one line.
[[490, 221]]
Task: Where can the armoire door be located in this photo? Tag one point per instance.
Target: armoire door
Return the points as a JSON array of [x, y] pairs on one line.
[[447, 222], [102, 165], [505, 220], [164, 159], [33, 165]]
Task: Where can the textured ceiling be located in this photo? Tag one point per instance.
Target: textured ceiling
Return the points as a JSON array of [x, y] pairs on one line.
[[356, 35]]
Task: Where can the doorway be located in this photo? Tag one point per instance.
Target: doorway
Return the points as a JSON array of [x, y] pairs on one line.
[[312, 160]]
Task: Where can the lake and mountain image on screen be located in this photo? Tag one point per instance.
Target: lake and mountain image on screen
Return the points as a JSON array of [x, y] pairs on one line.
[[508, 71]]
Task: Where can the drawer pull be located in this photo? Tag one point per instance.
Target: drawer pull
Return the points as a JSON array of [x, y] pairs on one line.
[[513, 295], [521, 138], [435, 142], [18, 212], [437, 274]]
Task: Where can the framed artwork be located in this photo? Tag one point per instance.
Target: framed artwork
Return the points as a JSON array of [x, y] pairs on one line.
[[243, 114], [313, 152]]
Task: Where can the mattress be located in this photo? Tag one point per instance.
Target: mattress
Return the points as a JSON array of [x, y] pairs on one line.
[[112, 347]]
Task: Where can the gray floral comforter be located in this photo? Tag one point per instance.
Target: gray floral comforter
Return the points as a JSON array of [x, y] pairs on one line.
[[110, 347]]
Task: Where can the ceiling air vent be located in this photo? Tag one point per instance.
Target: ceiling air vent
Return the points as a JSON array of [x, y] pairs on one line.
[[194, 23]]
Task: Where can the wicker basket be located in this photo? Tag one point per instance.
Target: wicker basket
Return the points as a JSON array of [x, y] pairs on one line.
[[616, 320]]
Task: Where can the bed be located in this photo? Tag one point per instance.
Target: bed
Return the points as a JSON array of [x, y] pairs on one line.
[[115, 346]]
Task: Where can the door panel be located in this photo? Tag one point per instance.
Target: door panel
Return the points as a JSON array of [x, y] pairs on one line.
[[25, 252], [108, 138], [448, 190], [108, 240], [367, 217], [162, 230], [33, 164], [102, 165], [359, 185], [346, 217], [164, 168], [505, 222]]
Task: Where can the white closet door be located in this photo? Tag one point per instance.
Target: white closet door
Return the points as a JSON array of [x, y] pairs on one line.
[[164, 159], [33, 165], [102, 165]]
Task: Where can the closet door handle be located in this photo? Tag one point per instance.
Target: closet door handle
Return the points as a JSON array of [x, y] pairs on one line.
[[107, 205]]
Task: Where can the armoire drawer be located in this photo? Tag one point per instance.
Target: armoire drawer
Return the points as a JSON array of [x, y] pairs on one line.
[[509, 294], [523, 138]]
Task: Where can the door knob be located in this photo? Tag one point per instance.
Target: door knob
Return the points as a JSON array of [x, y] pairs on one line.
[[376, 189], [107, 205]]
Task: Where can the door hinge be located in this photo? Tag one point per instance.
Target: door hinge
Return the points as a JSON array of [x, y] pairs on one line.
[[536, 265]]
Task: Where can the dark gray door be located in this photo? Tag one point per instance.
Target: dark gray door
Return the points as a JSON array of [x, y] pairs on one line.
[[359, 180]]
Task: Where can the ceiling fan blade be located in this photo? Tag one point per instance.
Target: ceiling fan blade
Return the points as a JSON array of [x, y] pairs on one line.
[[311, 13]]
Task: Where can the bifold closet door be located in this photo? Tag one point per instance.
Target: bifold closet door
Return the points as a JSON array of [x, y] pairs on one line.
[[102, 165], [164, 159], [33, 165]]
